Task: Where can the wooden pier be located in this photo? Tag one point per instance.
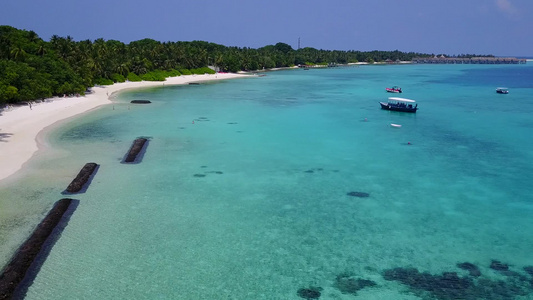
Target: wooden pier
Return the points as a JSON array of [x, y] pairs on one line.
[[473, 60]]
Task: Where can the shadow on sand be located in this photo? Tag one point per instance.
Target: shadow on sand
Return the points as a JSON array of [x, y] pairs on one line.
[[4, 136]]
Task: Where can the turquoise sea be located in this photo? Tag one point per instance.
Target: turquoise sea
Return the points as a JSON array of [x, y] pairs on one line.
[[292, 186]]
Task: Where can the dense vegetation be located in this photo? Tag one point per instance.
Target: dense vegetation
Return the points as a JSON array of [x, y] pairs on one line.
[[31, 68]]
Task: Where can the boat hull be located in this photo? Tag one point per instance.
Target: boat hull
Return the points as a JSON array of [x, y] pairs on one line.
[[393, 107], [394, 89]]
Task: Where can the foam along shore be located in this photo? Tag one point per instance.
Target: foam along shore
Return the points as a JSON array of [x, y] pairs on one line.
[[20, 126]]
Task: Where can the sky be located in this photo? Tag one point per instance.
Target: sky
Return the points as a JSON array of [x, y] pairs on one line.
[[453, 27]]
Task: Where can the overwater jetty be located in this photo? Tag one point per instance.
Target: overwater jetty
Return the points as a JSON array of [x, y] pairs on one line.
[[83, 177], [472, 60], [135, 149], [14, 273]]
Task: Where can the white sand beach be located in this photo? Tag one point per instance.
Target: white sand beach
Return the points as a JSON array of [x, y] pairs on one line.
[[20, 126]]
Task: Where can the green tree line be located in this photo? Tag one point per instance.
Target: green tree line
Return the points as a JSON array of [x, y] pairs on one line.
[[31, 68]]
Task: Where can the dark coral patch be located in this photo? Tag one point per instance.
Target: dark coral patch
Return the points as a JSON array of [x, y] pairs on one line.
[[471, 268], [310, 293], [445, 286], [450, 286], [199, 175], [313, 170], [348, 285], [529, 270], [499, 266], [358, 194], [215, 172]]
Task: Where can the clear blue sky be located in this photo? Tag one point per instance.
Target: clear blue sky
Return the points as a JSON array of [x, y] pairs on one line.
[[499, 27]]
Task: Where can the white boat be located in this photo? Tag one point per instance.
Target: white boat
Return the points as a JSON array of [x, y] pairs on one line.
[[396, 125], [502, 90], [400, 104]]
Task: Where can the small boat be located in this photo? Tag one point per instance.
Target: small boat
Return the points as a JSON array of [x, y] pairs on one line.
[[394, 89], [396, 125], [502, 90], [400, 104]]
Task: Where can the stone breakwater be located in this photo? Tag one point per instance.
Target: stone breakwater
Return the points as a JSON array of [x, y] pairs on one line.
[[16, 270], [83, 177], [136, 148]]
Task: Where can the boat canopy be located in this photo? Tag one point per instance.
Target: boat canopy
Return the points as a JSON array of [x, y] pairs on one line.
[[502, 88], [398, 99]]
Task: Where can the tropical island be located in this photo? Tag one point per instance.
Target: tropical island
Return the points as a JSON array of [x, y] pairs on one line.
[[32, 69]]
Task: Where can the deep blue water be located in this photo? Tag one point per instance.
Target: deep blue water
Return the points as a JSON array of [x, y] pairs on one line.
[[295, 183]]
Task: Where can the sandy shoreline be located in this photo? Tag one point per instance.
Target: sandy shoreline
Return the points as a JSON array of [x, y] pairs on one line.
[[20, 126]]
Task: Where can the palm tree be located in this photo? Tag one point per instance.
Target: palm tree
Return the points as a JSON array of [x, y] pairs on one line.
[[219, 61], [54, 40], [18, 53], [32, 36], [122, 69], [41, 51], [100, 48]]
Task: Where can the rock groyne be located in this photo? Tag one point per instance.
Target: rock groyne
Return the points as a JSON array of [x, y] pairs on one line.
[[14, 273], [83, 177]]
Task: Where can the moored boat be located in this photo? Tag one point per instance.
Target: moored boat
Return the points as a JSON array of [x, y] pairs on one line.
[[394, 89], [400, 104], [502, 90]]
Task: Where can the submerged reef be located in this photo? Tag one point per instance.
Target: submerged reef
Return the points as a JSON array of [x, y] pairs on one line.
[[318, 170], [498, 266], [310, 292], [445, 286], [449, 285], [358, 194], [207, 172], [471, 268], [349, 285], [313, 170], [529, 270]]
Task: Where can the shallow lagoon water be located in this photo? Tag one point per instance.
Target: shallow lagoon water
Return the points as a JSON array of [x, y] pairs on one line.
[[243, 192]]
